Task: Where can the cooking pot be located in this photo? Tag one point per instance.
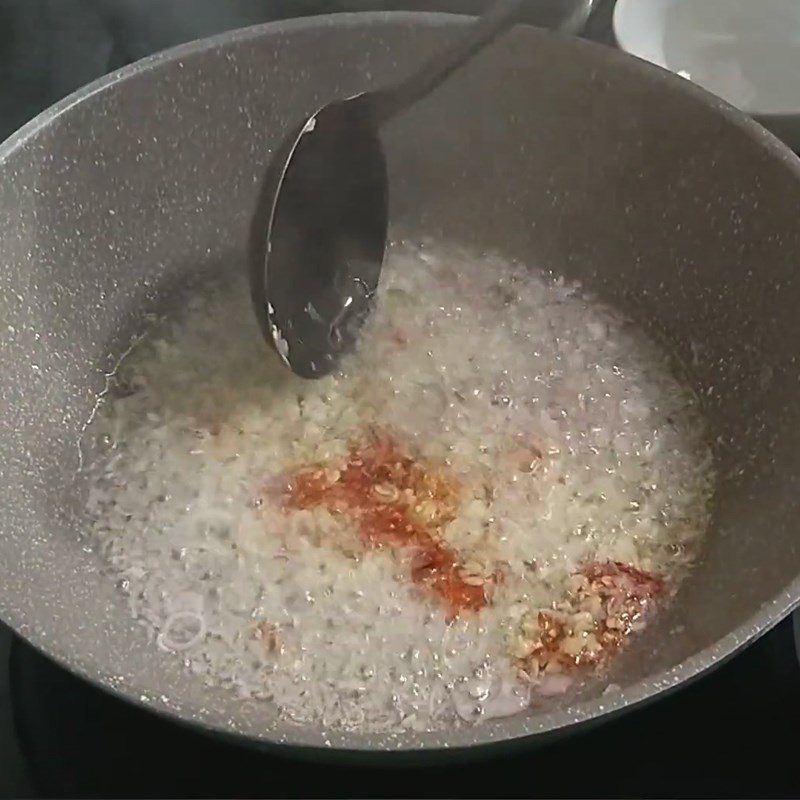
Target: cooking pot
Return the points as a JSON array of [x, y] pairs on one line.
[[659, 197]]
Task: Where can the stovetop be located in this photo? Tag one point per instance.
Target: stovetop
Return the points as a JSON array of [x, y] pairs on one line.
[[723, 736]]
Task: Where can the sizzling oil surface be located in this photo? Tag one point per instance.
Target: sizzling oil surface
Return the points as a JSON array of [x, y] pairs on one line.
[[495, 492]]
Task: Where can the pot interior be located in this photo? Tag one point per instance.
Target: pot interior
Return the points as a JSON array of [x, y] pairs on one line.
[[562, 154]]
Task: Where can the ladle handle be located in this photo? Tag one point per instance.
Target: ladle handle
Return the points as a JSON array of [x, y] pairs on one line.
[[386, 103]]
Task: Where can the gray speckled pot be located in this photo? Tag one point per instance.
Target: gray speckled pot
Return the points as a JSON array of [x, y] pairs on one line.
[[665, 200]]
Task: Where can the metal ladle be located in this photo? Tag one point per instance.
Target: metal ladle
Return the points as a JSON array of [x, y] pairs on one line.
[[325, 206]]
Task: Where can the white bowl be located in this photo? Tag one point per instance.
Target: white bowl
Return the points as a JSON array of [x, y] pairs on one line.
[[745, 51]]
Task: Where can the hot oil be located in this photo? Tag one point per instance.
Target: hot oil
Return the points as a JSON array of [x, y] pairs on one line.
[[527, 434]]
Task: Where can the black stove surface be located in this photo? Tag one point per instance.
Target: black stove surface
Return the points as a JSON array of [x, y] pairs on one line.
[[726, 735]]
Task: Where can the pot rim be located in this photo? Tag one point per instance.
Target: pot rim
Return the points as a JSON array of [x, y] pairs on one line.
[[514, 729]]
